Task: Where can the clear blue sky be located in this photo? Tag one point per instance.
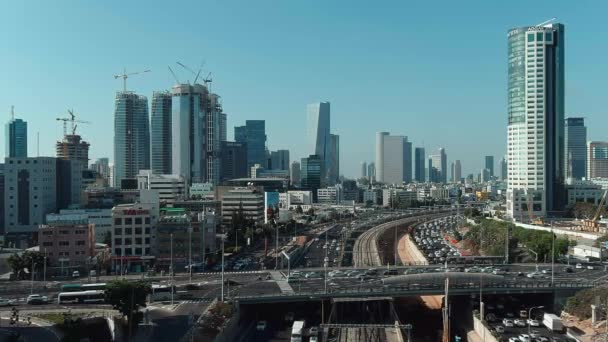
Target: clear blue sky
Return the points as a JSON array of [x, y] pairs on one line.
[[432, 70]]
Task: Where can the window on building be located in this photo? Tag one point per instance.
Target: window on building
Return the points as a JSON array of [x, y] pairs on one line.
[[128, 231], [128, 241], [117, 231], [117, 221], [147, 240], [138, 220], [147, 230], [64, 243], [128, 220], [47, 244], [80, 243], [137, 231], [117, 251], [147, 220], [137, 251], [138, 241], [117, 242]]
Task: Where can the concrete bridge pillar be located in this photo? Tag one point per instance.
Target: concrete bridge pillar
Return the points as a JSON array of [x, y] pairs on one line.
[[593, 314]]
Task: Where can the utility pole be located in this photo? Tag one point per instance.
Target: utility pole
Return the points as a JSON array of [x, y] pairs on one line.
[[44, 271], [190, 250], [171, 269]]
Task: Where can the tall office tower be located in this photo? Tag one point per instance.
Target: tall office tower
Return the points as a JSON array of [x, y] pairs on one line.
[[371, 171], [576, 148], [233, 160], [363, 169], [333, 176], [279, 160], [432, 171], [160, 132], [254, 134], [535, 120], [212, 138], [393, 158], [452, 176], [312, 172], [16, 137], [597, 159], [294, 173], [419, 160], [73, 148], [503, 169], [223, 127], [484, 175], [131, 136], [457, 171], [102, 167], [440, 165], [490, 165], [318, 128], [187, 131]]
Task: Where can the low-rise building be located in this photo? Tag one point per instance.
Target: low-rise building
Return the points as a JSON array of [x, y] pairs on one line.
[[202, 191], [249, 200], [329, 195], [401, 196], [101, 218], [370, 195], [67, 239], [170, 187], [294, 198], [132, 234], [583, 191]]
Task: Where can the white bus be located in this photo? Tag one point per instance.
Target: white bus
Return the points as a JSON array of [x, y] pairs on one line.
[[161, 292], [90, 296]]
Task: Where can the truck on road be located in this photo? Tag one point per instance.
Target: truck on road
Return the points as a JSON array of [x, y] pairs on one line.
[[552, 322], [297, 331]]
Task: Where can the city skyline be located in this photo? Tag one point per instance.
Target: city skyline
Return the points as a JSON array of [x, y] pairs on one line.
[[385, 104]]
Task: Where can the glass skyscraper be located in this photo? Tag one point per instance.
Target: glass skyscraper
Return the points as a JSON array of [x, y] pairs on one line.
[[419, 160], [160, 132], [312, 171], [490, 164], [576, 148], [535, 137], [131, 136], [318, 129], [254, 134], [16, 138]]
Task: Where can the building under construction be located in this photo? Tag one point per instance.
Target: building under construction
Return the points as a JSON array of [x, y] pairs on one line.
[[72, 147]]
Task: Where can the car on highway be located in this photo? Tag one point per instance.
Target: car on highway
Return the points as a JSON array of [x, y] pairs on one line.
[[519, 322], [514, 339], [473, 269], [533, 323], [75, 274], [508, 323], [524, 337], [498, 271], [261, 326], [6, 302], [35, 299], [579, 266], [590, 267], [534, 275], [500, 329]]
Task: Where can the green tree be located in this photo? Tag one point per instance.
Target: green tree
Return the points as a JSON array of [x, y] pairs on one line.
[[585, 210], [311, 211], [369, 203], [20, 262], [127, 297]]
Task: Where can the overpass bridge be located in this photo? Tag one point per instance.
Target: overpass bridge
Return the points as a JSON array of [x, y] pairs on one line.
[[428, 284]]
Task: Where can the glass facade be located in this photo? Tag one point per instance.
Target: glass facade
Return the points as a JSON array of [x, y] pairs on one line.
[[254, 134], [419, 159], [16, 138], [576, 148], [311, 173], [318, 128], [160, 132], [131, 136]]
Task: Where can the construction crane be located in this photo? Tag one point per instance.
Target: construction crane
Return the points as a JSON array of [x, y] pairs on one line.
[[124, 76], [174, 76], [593, 224], [206, 80], [72, 120]]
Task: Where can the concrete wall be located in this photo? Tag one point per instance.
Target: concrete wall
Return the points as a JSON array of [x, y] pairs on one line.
[[483, 331]]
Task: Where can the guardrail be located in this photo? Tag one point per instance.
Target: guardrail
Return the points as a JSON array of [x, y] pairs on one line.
[[420, 289]]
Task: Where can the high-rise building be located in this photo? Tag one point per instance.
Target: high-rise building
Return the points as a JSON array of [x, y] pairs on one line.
[[279, 160], [576, 148], [535, 155], [393, 158], [484, 175], [312, 172], [254, 134], [212, 138], [131, 136], [490, 165], [73, 148], [223, 127], [318, 128], [371, 171], [363, 169], [503, 169], [597, 159], [38, 186], [233, 160], [419, 160], [160, 132], [334, 160], [294, 173], [187, 131], [457, 171], [16, 137], [438, 167]]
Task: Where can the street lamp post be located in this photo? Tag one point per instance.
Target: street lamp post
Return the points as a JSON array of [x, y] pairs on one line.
[[44, 269], [190, 251], [530, 316], [536, 256], [171, 269]]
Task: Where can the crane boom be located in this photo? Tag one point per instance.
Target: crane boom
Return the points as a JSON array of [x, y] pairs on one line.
[[126, 75], [599, 207]]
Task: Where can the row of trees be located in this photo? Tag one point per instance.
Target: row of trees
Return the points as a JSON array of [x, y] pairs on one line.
[[489, 238], [19, 263]]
